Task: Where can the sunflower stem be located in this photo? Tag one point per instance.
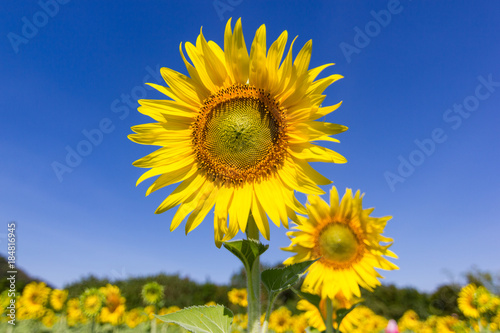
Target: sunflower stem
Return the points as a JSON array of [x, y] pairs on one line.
[[329, 316], [253, 281]]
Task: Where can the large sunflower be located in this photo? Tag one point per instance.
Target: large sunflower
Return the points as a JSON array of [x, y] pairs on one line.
[[237, 133], [346, 240]]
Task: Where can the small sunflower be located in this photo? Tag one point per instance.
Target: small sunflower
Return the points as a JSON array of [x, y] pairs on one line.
[[74, 312], [91, 302], [152, 293], [114, 310], [484, 299], [280, 320], [237, 133], [49, 319], [35, 296], [238, 297], [410, 321], [58, 298], [466, 301], [135, 317], [347, 242], [447, 324]]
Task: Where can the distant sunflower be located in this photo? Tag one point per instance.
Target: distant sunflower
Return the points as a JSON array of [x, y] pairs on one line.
[[134, 317], [91, 302], [484, 299], [58, 298], [466, 301], [237, 133], [347, 242], [238, 297], [280, 320], [114, 307], [152, 293], [35, 296], [49, 318]]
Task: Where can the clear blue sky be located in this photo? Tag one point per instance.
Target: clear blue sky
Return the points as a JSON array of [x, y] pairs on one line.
[[421, 86]]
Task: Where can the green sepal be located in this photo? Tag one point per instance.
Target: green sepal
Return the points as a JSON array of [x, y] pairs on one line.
[[247, 250], [202, 319], [279, 279]]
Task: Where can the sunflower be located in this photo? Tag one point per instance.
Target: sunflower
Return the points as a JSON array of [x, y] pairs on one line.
[[483, 299], [74, 313], [238, 297], [280, 320], [58, 298], [114, 310], [91, 302], [35, 296], [237, 132], [152, 293], [49, 319], [134, 317], [447, 324], [346, 240], [316, 317], [409, 321], [466, 301]]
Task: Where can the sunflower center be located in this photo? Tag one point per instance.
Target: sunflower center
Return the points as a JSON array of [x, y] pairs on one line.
[[338, 244], [239, 134]]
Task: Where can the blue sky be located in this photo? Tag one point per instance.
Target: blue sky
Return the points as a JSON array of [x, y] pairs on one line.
[[420, 96]]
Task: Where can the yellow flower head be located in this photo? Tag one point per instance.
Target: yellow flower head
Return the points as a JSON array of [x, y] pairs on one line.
[[91, 302], [410, 321], [237, 133], [152, 293], [35, 296], [347, 242], [134, 317], [114, 310], [280, 320], [58, 298], [49, 318], [238, 297], [75, 315], [466, 301]]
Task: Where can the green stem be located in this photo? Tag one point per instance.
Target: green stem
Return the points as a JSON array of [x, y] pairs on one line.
[[272, 297], [329, 316], [92, 326], [253, 282]]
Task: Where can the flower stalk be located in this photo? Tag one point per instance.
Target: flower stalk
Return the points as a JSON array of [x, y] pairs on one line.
[[253, 281]]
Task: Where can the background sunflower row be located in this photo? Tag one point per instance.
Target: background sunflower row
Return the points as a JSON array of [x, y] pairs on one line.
[[40, 308]]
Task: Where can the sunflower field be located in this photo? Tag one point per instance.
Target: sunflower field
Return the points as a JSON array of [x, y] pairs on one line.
[[42, 309]]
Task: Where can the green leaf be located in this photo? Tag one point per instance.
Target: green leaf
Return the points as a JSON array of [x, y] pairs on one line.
[[278, 279], [202, 319], [311, 298], [247, 250]]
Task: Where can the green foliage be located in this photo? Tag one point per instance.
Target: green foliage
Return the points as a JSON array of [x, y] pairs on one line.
[[178, 291], [443, 302], [279, 279], [202, 319], [391, 302]]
